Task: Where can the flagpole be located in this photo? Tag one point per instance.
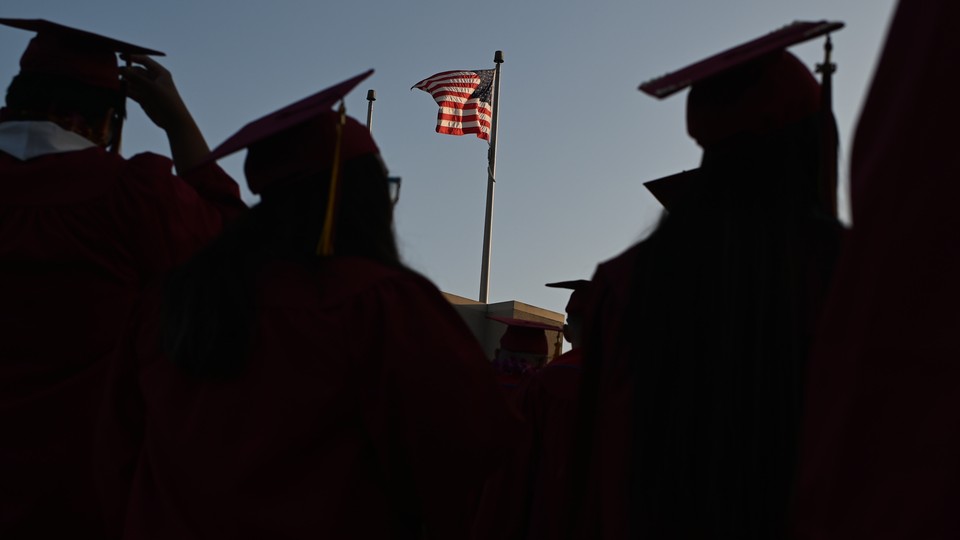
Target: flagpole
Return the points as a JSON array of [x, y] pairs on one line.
[[371, 97], [491, 181]]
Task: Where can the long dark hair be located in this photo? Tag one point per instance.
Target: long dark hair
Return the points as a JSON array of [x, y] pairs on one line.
[[722, 303], [209, 303]]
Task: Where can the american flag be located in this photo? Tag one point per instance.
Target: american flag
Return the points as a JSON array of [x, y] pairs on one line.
[[464, 99]]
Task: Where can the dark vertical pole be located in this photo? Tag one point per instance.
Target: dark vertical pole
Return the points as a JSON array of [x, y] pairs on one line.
[[491, 181]]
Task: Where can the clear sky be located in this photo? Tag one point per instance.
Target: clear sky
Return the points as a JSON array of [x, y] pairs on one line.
[[576, 138]]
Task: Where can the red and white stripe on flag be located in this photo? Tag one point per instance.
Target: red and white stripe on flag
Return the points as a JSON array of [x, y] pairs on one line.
[[464, 100]]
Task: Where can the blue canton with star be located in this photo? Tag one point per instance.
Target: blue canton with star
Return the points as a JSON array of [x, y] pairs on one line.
[[485, 87]]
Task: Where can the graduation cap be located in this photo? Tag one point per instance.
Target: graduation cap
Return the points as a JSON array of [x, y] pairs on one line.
[[578, 298], [77, 54], [776, 41], [303, 138], [758, 87], [523, 336], [755, 87]]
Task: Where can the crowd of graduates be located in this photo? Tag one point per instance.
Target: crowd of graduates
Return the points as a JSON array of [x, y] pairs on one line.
[[174, 364]]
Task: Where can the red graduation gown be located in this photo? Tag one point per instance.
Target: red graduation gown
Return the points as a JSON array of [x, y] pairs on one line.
[[882, 444], [367, 410], [712, 381], [528, 497], [80, 232], [601, 509], [553, 399]]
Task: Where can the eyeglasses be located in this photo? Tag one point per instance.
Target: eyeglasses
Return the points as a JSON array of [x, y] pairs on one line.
[[393, 184]]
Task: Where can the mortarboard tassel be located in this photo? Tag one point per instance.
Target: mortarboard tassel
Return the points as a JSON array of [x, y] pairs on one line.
[[325, 245], [828, 134], [116, 137]]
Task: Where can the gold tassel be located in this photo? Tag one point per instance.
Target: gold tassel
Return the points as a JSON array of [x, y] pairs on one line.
[[325, 245]]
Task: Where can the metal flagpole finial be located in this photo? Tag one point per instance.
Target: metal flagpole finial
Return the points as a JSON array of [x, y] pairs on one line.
[[371, 97], [498, 57]]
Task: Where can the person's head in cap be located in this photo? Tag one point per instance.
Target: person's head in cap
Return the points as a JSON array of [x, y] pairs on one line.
[[324, 192], [70, 77], [327, 164], [758, 111], [523, 345], [575, 308], [759, 97]]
